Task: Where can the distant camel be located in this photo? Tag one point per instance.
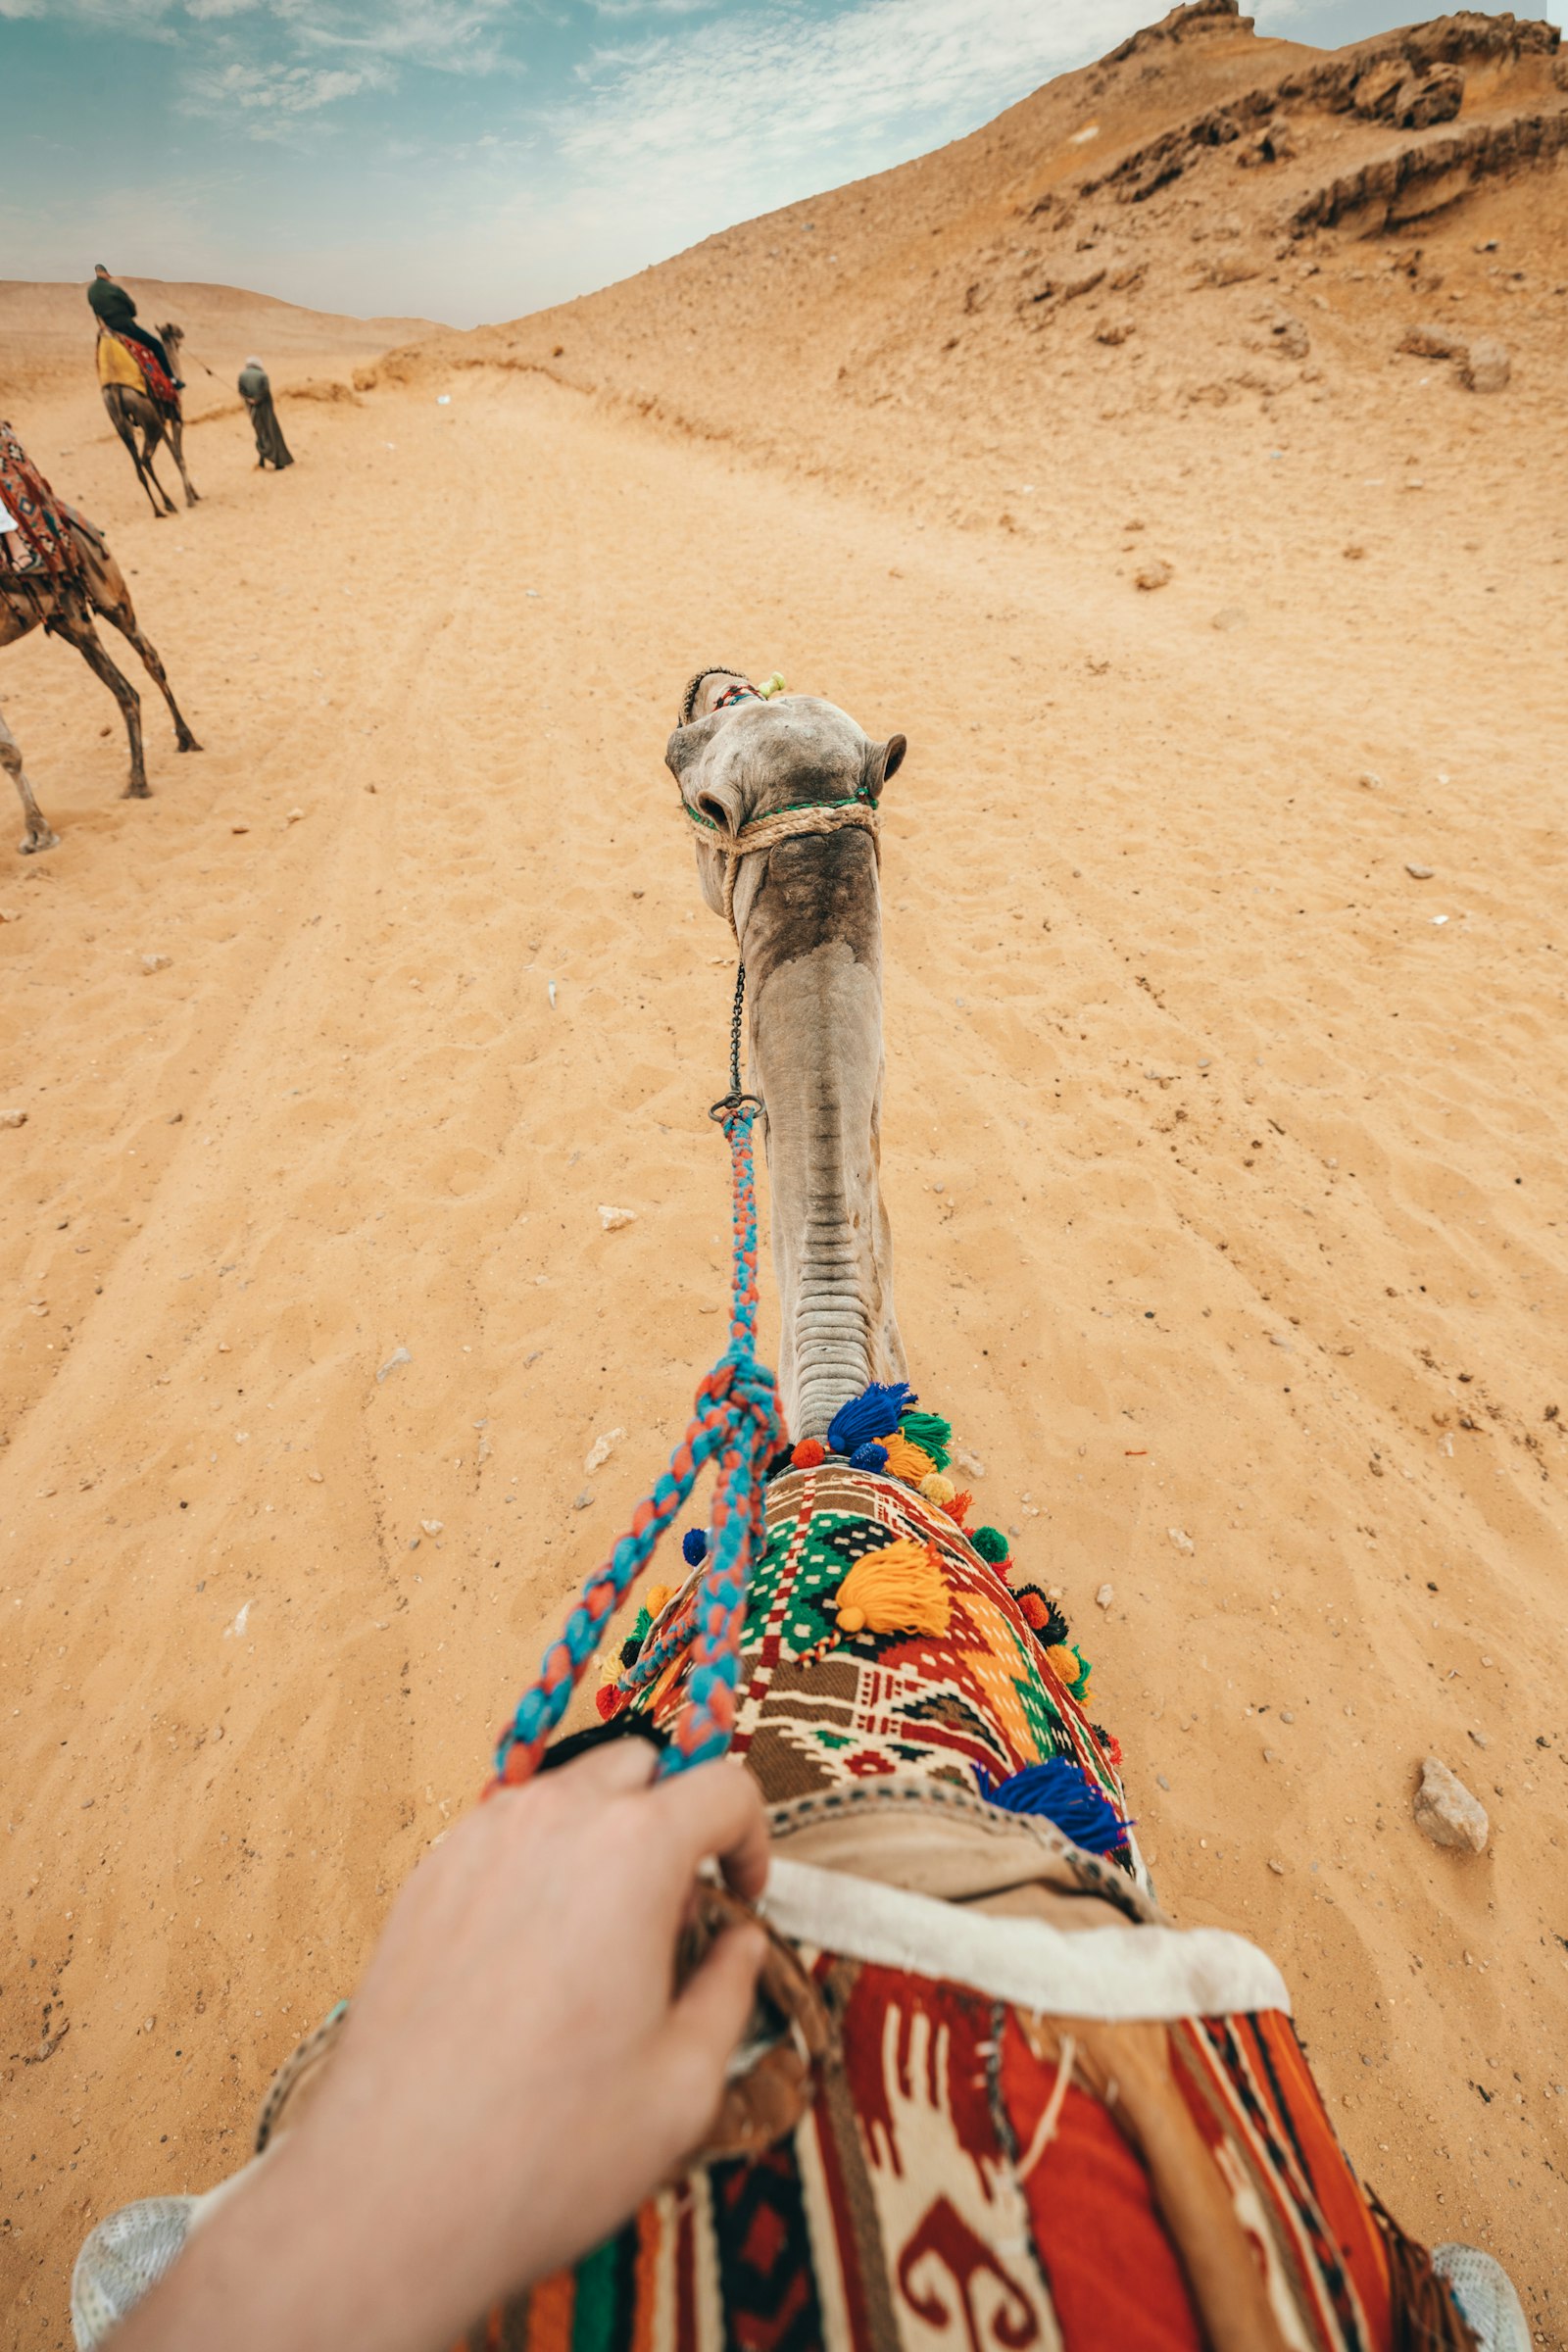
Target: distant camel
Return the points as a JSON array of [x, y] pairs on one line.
[[132, 411], [37, 835], [62, 608]]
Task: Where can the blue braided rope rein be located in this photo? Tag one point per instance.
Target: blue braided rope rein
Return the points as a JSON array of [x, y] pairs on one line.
[[736, 1422]]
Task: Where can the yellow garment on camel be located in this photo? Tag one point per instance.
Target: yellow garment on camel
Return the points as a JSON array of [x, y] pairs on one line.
[[116, 365]]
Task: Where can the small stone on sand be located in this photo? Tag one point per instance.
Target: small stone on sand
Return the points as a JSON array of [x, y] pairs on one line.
[[1448, 1812], [601, 1450], [613, 1219]]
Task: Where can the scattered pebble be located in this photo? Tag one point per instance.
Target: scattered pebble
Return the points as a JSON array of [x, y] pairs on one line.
[[13, 1118], [1448, 1812], [1180, 1537], [155, 963], [601, 1450], [1419, 873], [969, 1463], [1480, 1738], [1157, 574], [613, 1219], [1160, 1780], [239, 828], [176, 1118], [1233, 618], [315, 1477], [12, 914], [399, 1355], [1369, 781], [1278, 1868], [432, 1527], [295, 815], [1286, 1715], [584, 1502], [1105, 1596]]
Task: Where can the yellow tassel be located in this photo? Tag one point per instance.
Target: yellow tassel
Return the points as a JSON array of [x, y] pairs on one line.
[[906, 1460], [937, 1489], [609, 1667], [771, 686], [657, 1597], [899, 1590], [1063, 1664]]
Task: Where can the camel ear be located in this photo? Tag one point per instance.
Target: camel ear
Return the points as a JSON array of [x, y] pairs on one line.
[[686, 746], [882, 761]]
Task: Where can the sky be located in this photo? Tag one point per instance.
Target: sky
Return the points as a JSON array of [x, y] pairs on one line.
[[474, 159]]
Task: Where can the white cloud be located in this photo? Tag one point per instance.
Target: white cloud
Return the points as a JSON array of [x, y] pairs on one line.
[[278, 89], [803, 102]]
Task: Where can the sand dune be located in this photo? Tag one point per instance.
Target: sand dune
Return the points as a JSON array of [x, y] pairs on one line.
[[1223, 1152]]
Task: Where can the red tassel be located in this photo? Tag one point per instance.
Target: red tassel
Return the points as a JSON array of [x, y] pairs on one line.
[[958, 1508], [608, 1700]]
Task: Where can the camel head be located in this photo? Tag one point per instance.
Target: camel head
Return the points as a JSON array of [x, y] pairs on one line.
[[808, 916], [172, 337]]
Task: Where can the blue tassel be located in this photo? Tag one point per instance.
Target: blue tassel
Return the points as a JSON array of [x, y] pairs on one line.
[[1063, 1793], [694, 1547], [869, 1456], [874, 1414]]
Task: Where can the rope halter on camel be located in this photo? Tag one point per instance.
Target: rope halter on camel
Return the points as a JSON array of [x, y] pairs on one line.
[[782, 825]]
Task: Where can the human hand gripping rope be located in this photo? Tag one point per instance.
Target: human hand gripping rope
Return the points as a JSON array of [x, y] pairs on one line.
[[736, 1422]]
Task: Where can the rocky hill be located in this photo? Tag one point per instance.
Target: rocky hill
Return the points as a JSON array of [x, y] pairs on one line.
[[1202, 219]]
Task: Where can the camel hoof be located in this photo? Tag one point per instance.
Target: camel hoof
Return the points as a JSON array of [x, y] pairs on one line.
[[39, 841], [137, 792], [187, 742]]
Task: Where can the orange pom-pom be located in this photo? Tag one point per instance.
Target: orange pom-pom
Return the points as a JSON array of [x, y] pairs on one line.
[[1035, 1609], [1064, 1664], [809, 1454]]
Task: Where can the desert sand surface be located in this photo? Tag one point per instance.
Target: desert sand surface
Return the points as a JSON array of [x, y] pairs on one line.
[[1223, 1140]]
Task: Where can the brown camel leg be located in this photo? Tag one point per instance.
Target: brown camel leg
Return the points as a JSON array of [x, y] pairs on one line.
[[121, 617], [38, 835], [126, 430], [176, 442], [79, 631]]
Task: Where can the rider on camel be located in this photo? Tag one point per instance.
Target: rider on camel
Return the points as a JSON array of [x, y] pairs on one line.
[[115, 309]]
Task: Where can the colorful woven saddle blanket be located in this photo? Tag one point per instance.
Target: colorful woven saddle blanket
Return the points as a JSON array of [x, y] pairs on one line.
[[987, 1686], [123, 359], [41, 545], [1002, 2132]]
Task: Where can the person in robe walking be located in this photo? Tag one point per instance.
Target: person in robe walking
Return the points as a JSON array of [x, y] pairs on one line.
[[256, 391]]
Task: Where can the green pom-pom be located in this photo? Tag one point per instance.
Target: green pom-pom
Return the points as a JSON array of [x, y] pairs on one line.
[[991, 1544], [931, 1433], [643, 1628]]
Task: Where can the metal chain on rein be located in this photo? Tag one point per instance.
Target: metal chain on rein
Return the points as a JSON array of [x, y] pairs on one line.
[[735, 1422]]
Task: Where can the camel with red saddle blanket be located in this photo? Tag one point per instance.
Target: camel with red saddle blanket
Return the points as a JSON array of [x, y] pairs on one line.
[[141, 399], [56, 572]]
